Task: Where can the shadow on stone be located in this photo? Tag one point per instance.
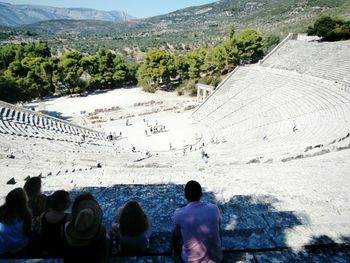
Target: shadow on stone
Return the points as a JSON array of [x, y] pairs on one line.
[[56, 114], [247, 221]]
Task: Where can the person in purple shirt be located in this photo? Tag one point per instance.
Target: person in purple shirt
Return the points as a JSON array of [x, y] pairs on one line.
[[197, 228]]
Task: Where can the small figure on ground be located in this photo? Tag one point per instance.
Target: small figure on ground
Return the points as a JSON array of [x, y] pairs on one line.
[[295, 128], [198, 239], [170, 146], [132, 228], [10, 156], [203, 153], [52, 223], [84, 236], [206, 158], [15, 223]]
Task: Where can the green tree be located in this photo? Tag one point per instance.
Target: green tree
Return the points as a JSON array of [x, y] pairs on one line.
[[216, 59], [106, 70], [9, 90], [232, 53], [323, 27], [182, 66], [196, 60], [7, 55], [34, 81], [329, 28], [156, 70], [29, 76], [250, 45], [71, 69], [133, 68], [232, 31], [121, 71]]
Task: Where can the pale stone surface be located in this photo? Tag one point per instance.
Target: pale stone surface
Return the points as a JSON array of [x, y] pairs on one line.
[[291, 128], [329, 60]]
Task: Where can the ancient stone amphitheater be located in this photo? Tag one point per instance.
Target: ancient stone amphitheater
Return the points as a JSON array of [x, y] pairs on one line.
[[278, 138]]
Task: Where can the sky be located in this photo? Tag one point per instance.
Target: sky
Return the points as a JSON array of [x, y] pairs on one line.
[[136, 8]]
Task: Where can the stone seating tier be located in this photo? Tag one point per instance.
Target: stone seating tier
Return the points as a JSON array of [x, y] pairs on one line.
[[257, 109], [327, 60], [22, 122]]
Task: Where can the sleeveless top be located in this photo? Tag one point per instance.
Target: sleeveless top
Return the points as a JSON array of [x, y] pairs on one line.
[[51, 235]]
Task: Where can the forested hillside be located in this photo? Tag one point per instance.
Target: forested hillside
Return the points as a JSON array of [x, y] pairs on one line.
[[173, 51], [29, 71], [185, 29]]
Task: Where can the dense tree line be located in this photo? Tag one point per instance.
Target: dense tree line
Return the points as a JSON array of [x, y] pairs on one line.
[[161, 68], [29, 71], [330, 29]]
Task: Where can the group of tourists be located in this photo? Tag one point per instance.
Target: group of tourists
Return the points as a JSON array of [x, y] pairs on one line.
[[35, 225], [155, 129]]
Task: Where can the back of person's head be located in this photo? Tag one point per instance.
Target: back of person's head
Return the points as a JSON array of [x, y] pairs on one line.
[[193, 191], [81, 197], [58, 201], [33, 186], [133, 220], [86, 220], [16, 208]]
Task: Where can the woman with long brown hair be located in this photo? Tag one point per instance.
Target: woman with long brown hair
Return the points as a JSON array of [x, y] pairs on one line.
[[133, 228], [36, 200], [15, 222]]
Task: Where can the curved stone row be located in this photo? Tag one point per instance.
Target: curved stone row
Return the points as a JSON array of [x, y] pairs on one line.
[[286, 109], [327, 60], [23, 122]]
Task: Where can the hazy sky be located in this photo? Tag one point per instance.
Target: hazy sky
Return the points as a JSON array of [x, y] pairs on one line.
[[137, 8]]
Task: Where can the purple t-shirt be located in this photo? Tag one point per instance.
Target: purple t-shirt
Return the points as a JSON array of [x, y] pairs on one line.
[[200, 230]]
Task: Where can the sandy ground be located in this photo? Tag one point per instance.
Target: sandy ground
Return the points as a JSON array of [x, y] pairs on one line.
[[142, 111]]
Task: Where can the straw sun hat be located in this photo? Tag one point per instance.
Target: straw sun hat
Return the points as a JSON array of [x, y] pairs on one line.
[[85, 224]]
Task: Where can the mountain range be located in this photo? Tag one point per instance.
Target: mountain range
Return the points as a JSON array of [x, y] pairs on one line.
[[15, 15], [184, 29]]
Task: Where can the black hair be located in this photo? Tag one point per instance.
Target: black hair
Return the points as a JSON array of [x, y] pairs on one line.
[[193, 191], [16, 208], [33, 186], [58, 200]]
